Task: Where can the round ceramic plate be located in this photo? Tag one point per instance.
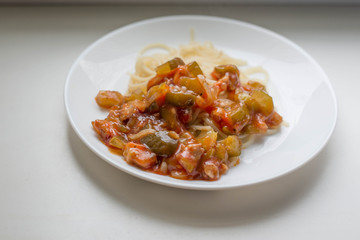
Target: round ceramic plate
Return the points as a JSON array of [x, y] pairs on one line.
[[301, 91]]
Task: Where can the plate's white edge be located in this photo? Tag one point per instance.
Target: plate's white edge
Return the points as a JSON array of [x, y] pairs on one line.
[[187, 184]]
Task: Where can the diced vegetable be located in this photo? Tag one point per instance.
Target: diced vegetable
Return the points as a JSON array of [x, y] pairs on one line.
[[259, 101], [155, 81], [209, 95], [194, 69], [230, 116], [132, 122], [228, 130], [208, 154], [141, 134], [180, 99], [160, 143], [231, 71], [256, 85], [169, 114], [118, 142], [121, 128], [233, 145], [221, 70], [167, 67], [157, 94], [183, 124], [240, 113], [192, 84], [241, 97], [153, 108], [207, 139], [139, 155], [221, 152], [107, 99]]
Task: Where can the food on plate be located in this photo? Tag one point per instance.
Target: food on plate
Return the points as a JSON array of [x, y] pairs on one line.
[[183, 120]]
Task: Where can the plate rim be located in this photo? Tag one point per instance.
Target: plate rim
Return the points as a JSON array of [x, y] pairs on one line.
[[183, 184]]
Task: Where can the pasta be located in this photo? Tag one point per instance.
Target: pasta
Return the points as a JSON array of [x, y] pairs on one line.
[[205, 54]]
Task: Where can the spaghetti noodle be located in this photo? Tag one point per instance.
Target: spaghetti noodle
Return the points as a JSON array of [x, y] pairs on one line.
[[205, 54]]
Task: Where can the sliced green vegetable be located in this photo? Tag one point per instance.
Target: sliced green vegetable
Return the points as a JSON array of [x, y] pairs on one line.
[[227, 130], [194, 69], [156, 94], [180, 99], [207, 139], [231, 71], [259, 101], [160, 143], [192, 84], [118, 142], [169, 114], [221, 152], [256, 85], [122, 128], [222, 69], [241, 97], [154, 107], [233, 145], [251, 129], [239, 113], [208, 154], [170, 65]]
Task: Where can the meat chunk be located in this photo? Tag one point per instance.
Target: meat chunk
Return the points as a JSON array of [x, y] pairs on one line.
[[139, 155], [105, 129], [126, 111], [211, 169], [189, 157]]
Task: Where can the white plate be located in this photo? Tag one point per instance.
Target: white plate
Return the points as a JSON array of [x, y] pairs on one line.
[[301, 91]]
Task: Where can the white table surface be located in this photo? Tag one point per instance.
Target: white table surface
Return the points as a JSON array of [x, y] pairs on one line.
[[53, 187]]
